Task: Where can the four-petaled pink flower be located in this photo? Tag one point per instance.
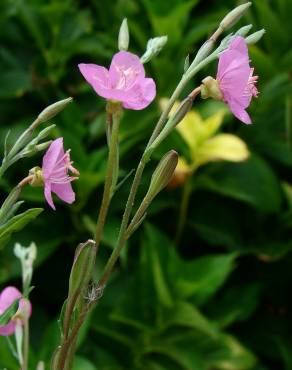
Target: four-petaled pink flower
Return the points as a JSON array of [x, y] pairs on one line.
[[125, 81], [7, 297], [56, 164], [236, 80]]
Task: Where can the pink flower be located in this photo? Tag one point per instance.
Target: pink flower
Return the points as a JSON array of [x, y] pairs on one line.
[[236, 80], [124, 81], [56, 164], [7, 297]]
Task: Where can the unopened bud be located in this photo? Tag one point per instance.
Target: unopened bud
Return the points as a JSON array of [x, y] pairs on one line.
[[204, 51], [45, 132], [210, 89], [27, 256], [255, 37], [243, 31], [37, 179], [234, 16], [154, 46], [32, 149], [163, 173], [82, 267], [53, 109], [43, 146], [181, 111], [187, 63], [124, 37]]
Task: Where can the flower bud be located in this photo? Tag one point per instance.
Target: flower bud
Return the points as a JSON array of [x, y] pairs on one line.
[[124, 37], [53, 109], [210, 89], [181, 111], [234, 16], [44, 133], [159, 180], [36, 177], [80, 276], [204, 51], [27, 257], [82, 267], [243, 31], [154, 46], [255, 37], [163, 173], [32, 149], [187, 63], [181, 174]]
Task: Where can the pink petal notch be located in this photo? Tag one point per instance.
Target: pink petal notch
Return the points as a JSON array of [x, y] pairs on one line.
[[55, 171], [125, 81]]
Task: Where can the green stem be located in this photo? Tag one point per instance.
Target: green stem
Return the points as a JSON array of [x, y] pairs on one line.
[[25, 344], [122, 238], [122, 233], [183, 212], [113, 152], [67, 348]]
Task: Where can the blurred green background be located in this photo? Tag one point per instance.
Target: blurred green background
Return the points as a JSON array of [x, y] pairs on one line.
[[221, 300]]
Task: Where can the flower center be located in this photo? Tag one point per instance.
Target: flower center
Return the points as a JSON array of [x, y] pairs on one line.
[[60, 173], [251, 84]]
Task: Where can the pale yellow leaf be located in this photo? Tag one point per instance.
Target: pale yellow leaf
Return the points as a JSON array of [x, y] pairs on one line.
[[222, 147]]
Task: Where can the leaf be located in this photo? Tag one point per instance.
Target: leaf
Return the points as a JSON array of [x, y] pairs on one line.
[[163, 18], [231, 356], [236, 304], [151, 256], [81, 363], [14, 83], [222, 147], [199, 279], [187, 315], [17, 223], [252, 182]]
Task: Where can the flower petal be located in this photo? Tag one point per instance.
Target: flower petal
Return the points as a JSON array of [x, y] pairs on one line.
[[141, 95], [8, 329], [7, 297], [98, 77], [48, 195], [239, 111], [64, 192], [53, 154], [239, 44], [125, 70], [233, 72]]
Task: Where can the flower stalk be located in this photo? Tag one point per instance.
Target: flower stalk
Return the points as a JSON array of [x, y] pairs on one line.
[[111, 171]]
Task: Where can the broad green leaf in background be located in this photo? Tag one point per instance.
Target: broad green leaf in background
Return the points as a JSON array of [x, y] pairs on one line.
[[252, 182]]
